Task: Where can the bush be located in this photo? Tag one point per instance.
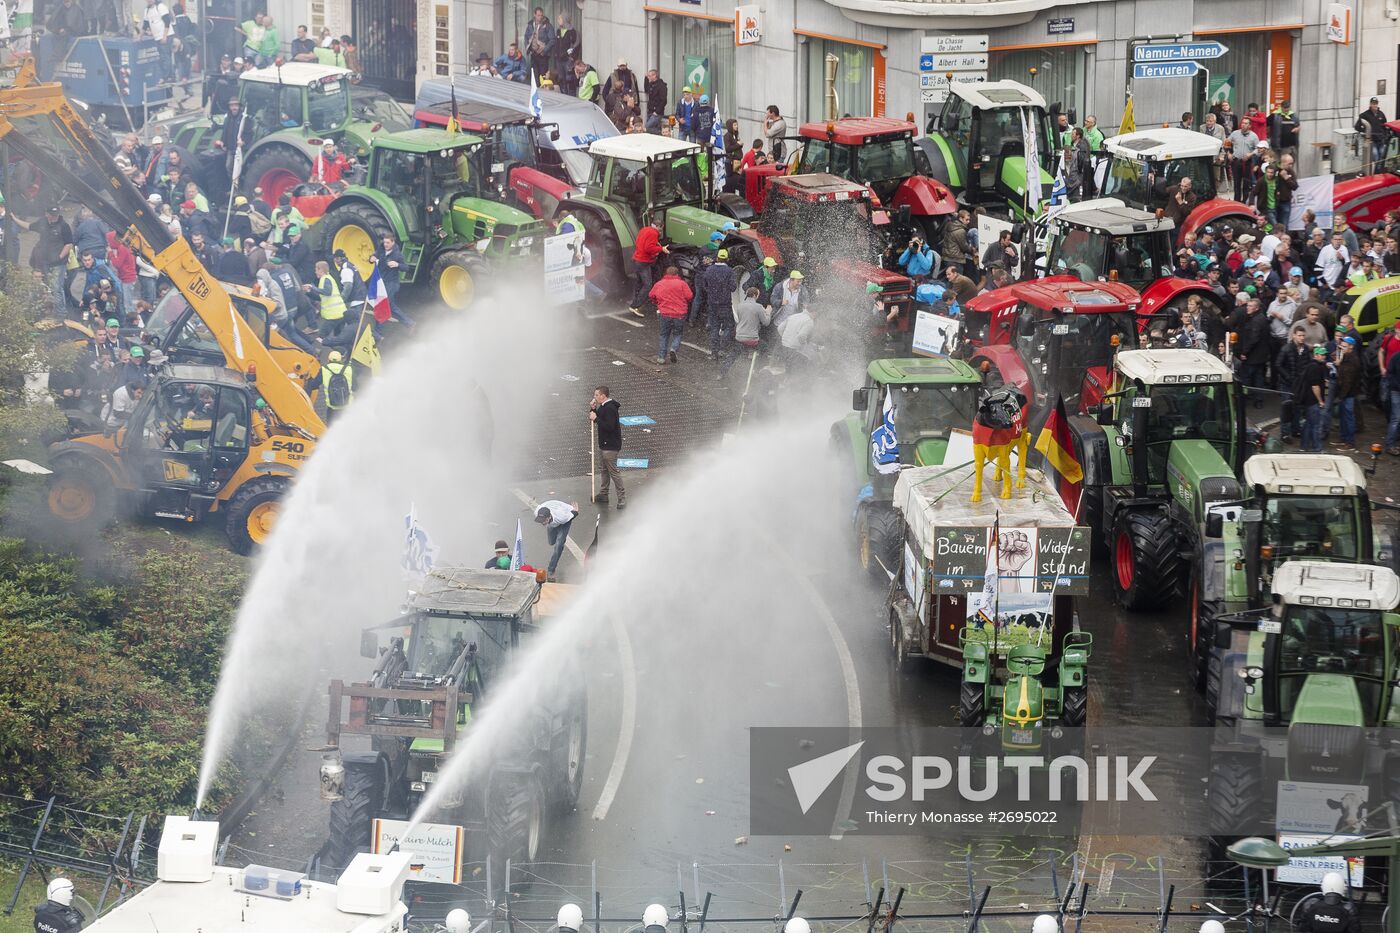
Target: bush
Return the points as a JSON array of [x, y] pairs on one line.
[[103, 688]]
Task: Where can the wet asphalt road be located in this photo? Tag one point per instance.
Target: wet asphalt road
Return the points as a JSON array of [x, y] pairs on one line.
[[679, 807]]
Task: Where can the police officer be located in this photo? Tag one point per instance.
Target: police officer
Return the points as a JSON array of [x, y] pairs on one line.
[[1212, 926], [570, 919], [797, 925], [1045, 923], [56, 915], [1332, 912], [458, 921], [655, 918]]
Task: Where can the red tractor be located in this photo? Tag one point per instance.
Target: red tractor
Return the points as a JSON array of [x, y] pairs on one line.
[[827, 227], [1055, 337], [1365, 198], [1104, 240], [880, 154]]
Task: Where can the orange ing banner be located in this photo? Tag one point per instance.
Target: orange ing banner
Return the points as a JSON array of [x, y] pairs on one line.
[[877, 106], [1280, 66]]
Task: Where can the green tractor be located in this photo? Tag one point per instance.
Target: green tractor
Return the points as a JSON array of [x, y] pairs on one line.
[[976, 145], [1169, 444], [1020, 701], [1308, 698], [924, 399], [293, 108], [430, 189], [1296, 506], [437, 664], [641, 178]]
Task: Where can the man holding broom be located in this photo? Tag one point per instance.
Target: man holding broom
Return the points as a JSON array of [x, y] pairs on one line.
[[603, 413]]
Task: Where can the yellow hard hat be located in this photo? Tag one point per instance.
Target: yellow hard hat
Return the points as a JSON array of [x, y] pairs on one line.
[[334, 357]]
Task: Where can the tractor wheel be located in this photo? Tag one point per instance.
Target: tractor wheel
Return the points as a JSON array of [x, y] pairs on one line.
[[877, 531], [78, 496], [356, 228], [252, 512], [569, 761], [1075, 706], [1091, 516], [609, 269], [457, 274], [1145, 559], [1235, 793], [972, 705], [275, 169], [1203, 613], [353, 814], [517, 815]]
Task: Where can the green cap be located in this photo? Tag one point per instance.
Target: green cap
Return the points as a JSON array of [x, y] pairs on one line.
[[113, 322], [1319, 350], [228, 241], [138, 350], [293, 230]]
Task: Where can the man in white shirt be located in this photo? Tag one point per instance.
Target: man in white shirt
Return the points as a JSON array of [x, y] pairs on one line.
[[155, 20], [1268, 245], [1331, 263], [796, 333], [556, 517], [123, 403]]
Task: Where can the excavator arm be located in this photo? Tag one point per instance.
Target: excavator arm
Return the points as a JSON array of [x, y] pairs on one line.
[[39, 124]]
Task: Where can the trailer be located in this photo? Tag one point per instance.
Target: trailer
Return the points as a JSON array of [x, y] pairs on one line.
[[989, 587]]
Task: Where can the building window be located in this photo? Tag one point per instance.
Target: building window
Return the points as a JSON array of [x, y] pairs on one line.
[[1241, 75], [854, 82], [699, 50], [1059, 73], [515, 15]]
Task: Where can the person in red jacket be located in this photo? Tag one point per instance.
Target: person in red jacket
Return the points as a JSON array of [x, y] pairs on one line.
[[1259, 122], [644, 258], [672, 296], [123, 262]]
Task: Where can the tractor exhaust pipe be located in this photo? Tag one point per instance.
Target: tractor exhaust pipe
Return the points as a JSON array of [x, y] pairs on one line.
[[829, 66]]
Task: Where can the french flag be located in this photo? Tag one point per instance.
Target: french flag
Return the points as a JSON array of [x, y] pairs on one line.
[[378, 297]]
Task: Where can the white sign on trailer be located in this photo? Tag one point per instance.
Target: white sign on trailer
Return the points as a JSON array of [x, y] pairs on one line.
[[436, 848]]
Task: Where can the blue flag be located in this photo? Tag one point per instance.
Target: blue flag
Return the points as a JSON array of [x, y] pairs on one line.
[[884, 442]]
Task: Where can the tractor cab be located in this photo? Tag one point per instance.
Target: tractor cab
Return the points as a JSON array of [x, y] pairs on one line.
[[1110, 242], [977, 143], [873, 151], [1310, 505], [1329, 657], [190, 432], [654, 178], [313, 97], [1055, 338], [1178, 413], [182, 335], [1144, 165], [928, 398]]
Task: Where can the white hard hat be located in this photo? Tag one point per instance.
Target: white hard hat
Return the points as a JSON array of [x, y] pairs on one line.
[[1045, 924], [655, 916], [1212, 926], [458, 921], [797, 925], [61, 891], [570, 917], [1333, 883]]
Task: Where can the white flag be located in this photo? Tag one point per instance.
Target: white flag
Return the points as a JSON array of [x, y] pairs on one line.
[[884, 441], [419, 552], [517, 553], [1031, 128]]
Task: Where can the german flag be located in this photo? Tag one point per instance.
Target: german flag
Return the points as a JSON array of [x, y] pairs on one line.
[[1057, 445]]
